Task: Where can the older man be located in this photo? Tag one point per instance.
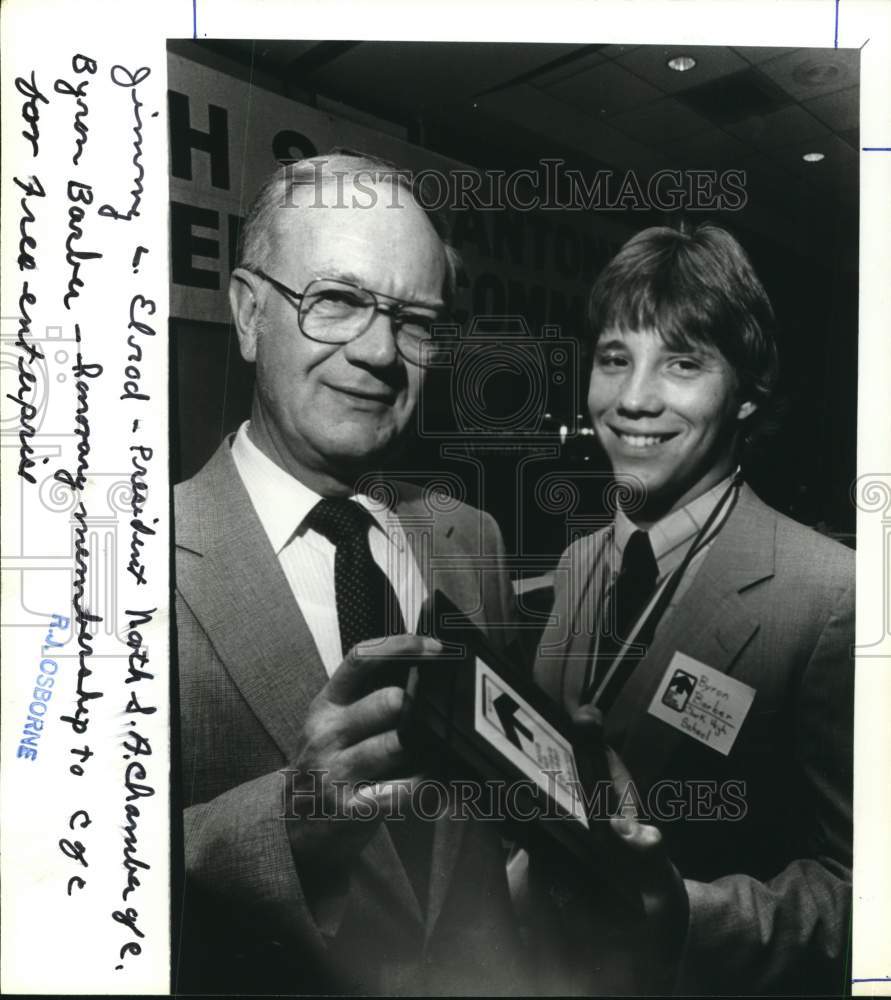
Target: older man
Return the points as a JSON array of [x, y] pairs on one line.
[[286, 560], [719, 654]]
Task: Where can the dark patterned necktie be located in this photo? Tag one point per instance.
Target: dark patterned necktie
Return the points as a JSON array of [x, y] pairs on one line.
[[630, 594], [367, 608]]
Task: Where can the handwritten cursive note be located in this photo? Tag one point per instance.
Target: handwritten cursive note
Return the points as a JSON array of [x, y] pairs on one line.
[[85, 484]]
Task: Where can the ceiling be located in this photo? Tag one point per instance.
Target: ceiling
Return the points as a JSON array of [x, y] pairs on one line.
[[503, 105]]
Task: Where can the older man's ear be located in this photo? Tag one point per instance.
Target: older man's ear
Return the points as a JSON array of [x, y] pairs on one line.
[[245, 311]]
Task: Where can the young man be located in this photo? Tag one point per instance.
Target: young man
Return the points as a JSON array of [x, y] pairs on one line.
[[712, 633]]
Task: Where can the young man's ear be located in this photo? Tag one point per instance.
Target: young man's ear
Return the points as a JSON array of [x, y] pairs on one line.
[[245, 312], [746, 409]]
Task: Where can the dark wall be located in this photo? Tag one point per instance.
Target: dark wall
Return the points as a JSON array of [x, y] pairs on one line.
[[805, 468], [210, 391]]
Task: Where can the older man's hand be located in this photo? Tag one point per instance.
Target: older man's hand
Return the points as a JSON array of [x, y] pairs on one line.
[[350, 768]]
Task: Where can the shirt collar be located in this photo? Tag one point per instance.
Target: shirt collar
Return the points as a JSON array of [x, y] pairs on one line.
[[673, 535], [281, 501]]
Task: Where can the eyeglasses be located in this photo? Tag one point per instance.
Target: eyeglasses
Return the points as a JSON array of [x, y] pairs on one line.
[[331, 311]]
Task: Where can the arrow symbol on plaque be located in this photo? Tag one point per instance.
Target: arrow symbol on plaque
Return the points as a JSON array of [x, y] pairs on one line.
[[506, 710]]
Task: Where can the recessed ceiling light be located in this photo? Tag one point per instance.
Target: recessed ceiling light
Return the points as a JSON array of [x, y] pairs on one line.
[[813, 157], [680, 64], [814, 73]]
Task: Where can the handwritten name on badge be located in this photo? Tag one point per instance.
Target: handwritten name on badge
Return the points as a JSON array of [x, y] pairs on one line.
[[702, 702]]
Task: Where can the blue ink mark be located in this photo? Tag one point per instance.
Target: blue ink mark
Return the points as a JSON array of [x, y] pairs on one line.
[[876, 149], [836, 22], [876, 979], [195, 18], [44, 681]]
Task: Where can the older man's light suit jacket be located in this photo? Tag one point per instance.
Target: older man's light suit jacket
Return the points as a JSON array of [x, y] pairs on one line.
[[772, 605], [248, 670]]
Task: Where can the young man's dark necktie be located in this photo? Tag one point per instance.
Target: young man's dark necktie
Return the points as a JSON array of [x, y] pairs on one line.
[[629, 596], [367, 608]]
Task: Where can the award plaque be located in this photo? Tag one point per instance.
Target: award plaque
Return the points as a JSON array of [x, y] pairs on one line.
[[480, 720]]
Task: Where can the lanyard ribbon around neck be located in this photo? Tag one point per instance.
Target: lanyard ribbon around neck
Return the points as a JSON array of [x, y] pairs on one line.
[[604, 687]]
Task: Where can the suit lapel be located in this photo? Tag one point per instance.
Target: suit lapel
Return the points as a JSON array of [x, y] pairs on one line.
[[433, 540], [585, 580], [711, 624], [382, 870], [427, 539], [380, 862], [238, 591]]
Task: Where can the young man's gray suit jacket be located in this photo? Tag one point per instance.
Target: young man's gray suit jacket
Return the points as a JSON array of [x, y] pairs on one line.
[[248, 670], [773, 606]]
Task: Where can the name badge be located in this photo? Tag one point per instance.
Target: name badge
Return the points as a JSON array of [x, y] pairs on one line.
[[702, 702]]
